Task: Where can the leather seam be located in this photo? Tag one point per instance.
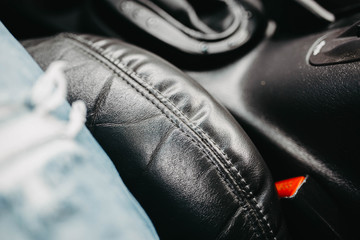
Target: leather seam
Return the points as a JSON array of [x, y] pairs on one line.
[[116, 62], [215, 150], [177, 125]]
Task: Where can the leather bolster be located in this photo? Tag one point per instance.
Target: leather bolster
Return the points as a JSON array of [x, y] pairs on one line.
[[183, 156]]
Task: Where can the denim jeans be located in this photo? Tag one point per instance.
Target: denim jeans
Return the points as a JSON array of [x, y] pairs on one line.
[[55, 180]]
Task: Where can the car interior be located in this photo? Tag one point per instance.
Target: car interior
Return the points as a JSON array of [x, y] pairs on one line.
[[227, 119]]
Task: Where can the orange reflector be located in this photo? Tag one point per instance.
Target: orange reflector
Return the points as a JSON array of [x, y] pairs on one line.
[[289, 187]]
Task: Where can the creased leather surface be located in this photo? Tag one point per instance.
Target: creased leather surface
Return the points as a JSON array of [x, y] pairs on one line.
[[186, 160]]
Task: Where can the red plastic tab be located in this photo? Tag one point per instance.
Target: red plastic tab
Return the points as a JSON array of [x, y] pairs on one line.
[[289, 187]]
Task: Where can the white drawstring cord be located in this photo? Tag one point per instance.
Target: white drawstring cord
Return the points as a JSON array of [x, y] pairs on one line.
[[49, 92], [36, 126], [77, 118]]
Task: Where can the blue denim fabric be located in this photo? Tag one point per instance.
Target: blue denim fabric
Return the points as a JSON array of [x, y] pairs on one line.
[[59, 188]]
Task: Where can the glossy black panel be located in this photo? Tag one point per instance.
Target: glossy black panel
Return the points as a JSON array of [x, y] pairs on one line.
[[303, 118]]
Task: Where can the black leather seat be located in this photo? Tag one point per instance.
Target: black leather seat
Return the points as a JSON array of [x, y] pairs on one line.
[[183, 156]]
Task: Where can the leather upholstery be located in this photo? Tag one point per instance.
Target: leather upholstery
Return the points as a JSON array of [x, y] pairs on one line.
[[188, 33], [182, 155], [198, 14]]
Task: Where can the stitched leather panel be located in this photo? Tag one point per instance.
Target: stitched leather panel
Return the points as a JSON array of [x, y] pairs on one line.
[[183, 156]]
